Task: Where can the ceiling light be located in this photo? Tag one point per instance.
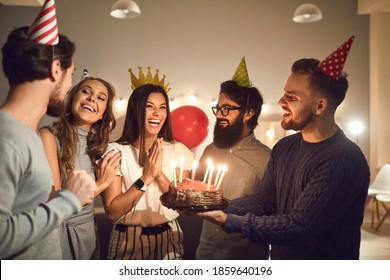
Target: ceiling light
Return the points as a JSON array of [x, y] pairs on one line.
[[307, 13], [125, 9]]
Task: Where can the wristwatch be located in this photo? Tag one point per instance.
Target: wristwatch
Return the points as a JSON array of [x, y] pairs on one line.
[[140, 185]]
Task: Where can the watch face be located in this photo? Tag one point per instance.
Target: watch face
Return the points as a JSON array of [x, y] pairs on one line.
[[139, 184]]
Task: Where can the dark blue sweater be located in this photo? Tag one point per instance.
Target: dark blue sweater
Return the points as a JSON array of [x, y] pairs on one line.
[[311, 201]]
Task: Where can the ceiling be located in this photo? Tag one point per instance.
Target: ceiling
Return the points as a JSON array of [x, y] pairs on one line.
[[364, 6], [22, 2], [372, 6]]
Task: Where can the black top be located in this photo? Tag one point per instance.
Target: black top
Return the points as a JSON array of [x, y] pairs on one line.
[[311, 201]]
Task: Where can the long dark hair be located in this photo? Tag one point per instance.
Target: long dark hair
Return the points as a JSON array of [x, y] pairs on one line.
[[134, 126], [98, 136]]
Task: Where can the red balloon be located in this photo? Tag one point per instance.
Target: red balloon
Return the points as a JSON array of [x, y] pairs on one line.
[[189, 125]]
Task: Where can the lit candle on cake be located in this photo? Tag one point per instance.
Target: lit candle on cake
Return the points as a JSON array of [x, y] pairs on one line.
[[210, 177], [220, 179], [174, 172], [207, 170], [194, 165], [181, 169], [218, 173]]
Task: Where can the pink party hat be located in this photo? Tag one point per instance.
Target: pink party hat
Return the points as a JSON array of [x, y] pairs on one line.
[[333, 65], [44, 28]]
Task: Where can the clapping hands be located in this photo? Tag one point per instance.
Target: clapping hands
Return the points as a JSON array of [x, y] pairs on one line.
[[153, 163]]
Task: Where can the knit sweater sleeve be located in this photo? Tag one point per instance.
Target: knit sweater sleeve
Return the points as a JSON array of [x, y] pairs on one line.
[[25, 218], [331, 189]]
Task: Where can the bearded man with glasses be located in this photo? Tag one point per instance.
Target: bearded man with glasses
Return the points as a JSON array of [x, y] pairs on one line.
[[235, 144]]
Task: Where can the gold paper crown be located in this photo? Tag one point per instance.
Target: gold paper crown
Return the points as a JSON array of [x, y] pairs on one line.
[[148, 79]]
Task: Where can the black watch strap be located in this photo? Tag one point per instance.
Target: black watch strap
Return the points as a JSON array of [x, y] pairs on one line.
[[139, 184]]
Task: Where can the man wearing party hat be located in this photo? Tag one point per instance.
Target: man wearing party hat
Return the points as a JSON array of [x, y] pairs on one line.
[[38, 63], [235, 144], [311, 200]]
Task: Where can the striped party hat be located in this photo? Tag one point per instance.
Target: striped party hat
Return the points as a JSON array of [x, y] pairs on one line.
[[333, 64], [44, 28], [85, 74]]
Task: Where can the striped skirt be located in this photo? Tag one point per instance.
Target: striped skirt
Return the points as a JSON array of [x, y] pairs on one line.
[[163, 242]]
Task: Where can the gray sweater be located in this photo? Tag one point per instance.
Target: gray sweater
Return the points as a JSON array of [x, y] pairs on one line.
[[28, 222]]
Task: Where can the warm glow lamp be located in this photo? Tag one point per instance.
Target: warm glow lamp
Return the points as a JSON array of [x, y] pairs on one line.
[[125, 9], [356, 127], [307, 13]]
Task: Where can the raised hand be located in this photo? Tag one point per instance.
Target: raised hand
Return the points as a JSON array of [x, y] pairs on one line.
[[160, 146], [107, 169], [153, 162], [161, 180], [82, 185], [217, 217]]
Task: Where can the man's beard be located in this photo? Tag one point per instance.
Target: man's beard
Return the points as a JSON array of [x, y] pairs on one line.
[[226, 137], [302, 121], [56, 106]]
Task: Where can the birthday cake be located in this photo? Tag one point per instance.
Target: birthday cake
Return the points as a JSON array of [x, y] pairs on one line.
[[194, 194]]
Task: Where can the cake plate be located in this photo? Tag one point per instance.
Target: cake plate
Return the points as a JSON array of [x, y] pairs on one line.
[[181, 206]]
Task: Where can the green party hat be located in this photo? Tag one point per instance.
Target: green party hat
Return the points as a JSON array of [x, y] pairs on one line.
[[241, 75]]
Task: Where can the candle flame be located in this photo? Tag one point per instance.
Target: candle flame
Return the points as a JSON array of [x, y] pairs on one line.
[[221, 177], [174, 173], [194, 165], [207, 170]]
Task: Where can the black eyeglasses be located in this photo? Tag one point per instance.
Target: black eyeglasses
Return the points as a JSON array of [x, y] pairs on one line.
[[224, 110]]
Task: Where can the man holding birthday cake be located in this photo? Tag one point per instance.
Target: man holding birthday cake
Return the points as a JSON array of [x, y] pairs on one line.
[[311, 200]]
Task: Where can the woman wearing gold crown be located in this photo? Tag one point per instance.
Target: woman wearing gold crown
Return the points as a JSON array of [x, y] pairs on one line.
[[144, 228]]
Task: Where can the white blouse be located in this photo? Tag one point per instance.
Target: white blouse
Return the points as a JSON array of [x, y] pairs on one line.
[[149, 211]]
